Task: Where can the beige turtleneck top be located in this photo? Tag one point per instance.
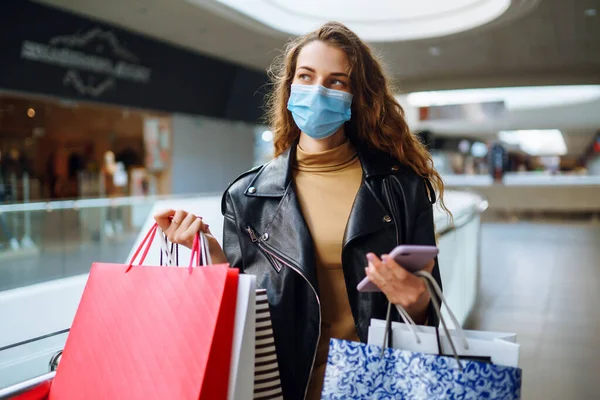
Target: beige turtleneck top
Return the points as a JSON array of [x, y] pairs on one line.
[[326, 184]]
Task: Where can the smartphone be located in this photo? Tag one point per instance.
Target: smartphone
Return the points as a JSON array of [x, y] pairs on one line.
[[413, 258]]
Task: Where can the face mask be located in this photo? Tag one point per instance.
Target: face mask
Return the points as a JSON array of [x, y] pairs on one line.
[[319, 112]]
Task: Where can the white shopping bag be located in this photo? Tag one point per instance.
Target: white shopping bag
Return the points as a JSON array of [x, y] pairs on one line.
[[501, 347], [241, 373]]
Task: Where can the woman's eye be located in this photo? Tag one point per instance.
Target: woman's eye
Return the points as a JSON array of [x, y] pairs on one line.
[[337, 82], [304, 77]]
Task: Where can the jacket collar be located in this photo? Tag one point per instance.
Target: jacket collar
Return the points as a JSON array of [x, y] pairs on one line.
[[274, 177]]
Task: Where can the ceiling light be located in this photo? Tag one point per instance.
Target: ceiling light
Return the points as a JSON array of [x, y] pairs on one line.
[[513, 98], [375, 20], [435, 51], [267, 136], [30, 112], [536, 142]]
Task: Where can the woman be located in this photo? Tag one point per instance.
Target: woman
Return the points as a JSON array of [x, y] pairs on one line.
[[349, 183]]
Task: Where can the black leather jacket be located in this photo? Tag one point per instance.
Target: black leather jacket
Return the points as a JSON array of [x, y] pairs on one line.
[[265, 234]]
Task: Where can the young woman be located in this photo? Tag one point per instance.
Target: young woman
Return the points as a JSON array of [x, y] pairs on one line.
[[348, 184]]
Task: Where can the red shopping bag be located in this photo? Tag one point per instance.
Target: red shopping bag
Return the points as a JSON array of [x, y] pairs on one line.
[[150, 333], [39, 392]]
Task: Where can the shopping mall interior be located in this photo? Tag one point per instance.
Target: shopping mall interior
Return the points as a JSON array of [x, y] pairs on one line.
[[112, 110]]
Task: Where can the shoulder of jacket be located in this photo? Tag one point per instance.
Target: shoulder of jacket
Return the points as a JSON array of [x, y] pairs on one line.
[[410, 177], [239, 184], [243, 178]]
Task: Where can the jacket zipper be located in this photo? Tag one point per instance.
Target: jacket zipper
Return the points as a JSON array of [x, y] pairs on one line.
[[289, 263], [272, 259], [386, 191]]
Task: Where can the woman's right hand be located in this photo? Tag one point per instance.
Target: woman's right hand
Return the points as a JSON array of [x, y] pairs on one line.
[[181, 227]]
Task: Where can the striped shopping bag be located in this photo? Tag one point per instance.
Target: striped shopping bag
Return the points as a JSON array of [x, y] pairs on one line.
[[267, 384]]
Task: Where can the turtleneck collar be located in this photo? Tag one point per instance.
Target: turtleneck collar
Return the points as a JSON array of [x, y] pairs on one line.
[[334, 159]]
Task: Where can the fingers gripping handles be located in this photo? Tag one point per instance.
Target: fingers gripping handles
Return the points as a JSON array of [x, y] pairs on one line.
[[200, 250]]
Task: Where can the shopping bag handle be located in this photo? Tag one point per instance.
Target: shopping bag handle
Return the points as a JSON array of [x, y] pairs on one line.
[[200, 250], [147, 242], [434, 288], [197, 251], [434, 291], [172, 258]]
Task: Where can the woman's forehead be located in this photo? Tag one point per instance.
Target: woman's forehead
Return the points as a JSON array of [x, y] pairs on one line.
[[323, 57]]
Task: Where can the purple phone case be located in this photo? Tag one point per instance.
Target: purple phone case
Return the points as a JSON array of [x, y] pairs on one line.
[[413, 258]]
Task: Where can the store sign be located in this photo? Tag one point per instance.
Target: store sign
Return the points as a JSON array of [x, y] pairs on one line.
[[94, 60], [48, 51]]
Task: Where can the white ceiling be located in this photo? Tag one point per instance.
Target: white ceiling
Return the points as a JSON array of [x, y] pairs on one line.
[[376, 20], [536, 42]]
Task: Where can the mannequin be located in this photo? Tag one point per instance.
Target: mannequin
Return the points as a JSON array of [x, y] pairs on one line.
[[115, 184]]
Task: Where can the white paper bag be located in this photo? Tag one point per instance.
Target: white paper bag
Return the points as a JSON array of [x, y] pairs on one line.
[[501, 347], [241, 373]]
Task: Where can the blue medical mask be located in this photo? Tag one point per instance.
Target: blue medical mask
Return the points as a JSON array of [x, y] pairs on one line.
[[319, 112]]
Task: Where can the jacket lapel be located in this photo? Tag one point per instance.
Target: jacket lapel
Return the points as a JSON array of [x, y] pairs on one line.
[[288, 233], [285, 230], [369, 212]]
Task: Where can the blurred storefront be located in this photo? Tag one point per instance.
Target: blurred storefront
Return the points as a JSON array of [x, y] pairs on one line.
[[68, 149], [86, 109]]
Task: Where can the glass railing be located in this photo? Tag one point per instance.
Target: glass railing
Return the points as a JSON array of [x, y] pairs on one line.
[[43, 275], [45, 241]]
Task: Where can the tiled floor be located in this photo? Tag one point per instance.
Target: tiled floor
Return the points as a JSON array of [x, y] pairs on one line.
[[542, 281]]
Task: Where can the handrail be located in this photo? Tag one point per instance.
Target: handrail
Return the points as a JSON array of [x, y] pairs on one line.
[[478, 210], [22, 387], [35, 339], [78, 204]]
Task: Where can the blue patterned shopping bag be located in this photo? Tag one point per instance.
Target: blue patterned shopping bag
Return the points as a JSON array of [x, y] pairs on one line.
[[360, 371]]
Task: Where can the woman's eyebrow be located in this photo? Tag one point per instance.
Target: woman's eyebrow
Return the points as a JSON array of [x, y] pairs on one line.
[[331, 74]]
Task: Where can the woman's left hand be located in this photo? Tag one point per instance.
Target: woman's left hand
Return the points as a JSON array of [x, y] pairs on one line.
[[400, 286]]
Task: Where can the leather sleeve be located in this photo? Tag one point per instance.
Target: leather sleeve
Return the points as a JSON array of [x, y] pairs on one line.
[[424, 234], [231, 234]]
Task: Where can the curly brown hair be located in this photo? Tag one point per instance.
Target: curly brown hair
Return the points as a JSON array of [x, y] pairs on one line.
[[377, 118]]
